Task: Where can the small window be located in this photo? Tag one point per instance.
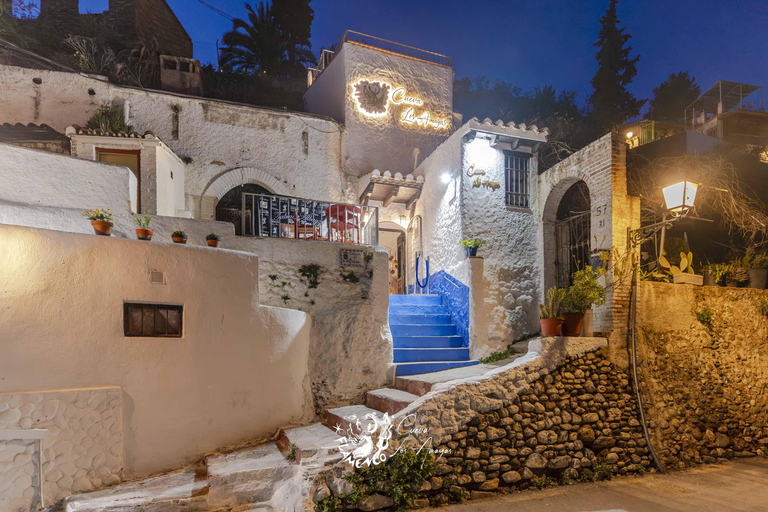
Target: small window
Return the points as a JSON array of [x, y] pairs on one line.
[[152, 320], [516, 175], [184, 66], [169, 64]]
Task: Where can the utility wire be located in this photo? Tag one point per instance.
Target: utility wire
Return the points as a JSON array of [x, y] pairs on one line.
[[218, 11]]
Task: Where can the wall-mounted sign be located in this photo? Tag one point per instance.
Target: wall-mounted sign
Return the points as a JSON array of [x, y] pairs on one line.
[[472, 171], [493, 185], [374, 97], [351, 258]]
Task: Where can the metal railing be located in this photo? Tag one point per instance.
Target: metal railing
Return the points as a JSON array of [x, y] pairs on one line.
[[292, 217], [326, 56], [398, 48]]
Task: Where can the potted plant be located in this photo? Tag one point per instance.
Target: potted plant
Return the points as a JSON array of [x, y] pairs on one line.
[[714, 273], [682, 274], [736, 275], [551, 322], [756, 263], [179, 237], [585, 292], [213, 240], [101, 220], [472, 246], [143, 232]]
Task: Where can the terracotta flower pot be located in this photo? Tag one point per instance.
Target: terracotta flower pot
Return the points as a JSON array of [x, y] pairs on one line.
[[180, 239], [214, 243], [102, 227], [572, 324], [144, 234], [551, 326]]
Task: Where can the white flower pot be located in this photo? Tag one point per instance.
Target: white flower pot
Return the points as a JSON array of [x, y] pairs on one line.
[[684, 278]]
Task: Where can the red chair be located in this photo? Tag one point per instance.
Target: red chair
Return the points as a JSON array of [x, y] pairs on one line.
[[344, 222]]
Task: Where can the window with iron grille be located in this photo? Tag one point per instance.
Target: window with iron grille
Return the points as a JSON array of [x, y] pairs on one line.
[[152, 320], [516, 176]]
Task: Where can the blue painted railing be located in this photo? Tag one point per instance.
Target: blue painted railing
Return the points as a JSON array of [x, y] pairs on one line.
[[455, 297]]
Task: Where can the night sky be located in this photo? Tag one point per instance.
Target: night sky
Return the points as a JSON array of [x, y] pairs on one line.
[[535, 43]]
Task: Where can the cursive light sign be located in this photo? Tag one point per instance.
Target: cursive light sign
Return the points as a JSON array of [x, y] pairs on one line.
[[373, 97]]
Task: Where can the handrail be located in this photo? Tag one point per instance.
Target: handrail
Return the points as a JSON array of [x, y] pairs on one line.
[[399, 48]]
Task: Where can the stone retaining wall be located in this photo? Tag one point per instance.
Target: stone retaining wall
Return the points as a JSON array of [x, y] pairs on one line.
[[705, 386]]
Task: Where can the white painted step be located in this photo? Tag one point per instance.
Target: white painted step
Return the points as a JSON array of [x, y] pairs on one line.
[[259, 475], [176, 491], [309, 441], [389, 400], [358, 417]]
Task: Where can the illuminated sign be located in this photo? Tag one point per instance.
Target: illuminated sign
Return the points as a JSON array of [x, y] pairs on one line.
[[374, 97]]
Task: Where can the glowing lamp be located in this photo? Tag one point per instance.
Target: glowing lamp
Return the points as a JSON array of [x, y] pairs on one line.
[[446, 177], [680, 196], [629, 135]]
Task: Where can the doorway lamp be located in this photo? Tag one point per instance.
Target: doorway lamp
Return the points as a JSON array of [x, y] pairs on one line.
[[679, 198]]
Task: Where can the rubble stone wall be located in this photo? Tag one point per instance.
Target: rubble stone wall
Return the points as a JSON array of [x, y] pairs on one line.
[[705, 386]]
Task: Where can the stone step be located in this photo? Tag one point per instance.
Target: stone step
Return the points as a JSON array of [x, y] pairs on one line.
[[410, 319], [417, 309], [184, 490], [356, 417], [423, 330], [312, 440], [424, 300], [257, 475], [403, 369], [427, 341], [388, 400], [426, 355], [422, 384]]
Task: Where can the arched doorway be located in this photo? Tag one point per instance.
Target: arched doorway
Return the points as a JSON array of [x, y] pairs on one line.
[[572, 233], [392, 238], [230, 206]]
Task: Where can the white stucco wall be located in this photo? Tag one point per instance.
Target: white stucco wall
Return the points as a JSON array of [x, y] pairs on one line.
[[238, 372], [220, 137], [327, 95], [384, 142]]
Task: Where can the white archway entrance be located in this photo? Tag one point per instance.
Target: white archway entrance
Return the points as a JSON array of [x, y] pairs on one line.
[[392, 237], [232, 178]]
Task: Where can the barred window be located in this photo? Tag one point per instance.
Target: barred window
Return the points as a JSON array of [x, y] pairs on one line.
[[516, 175], [152, 320]]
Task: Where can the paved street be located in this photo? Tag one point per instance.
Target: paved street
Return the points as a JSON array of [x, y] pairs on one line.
[[739, 486]]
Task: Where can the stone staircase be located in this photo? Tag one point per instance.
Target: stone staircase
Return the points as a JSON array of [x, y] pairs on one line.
[[424, 337]]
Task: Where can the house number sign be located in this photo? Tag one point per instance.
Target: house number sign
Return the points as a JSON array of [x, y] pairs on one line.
[[351, 257]]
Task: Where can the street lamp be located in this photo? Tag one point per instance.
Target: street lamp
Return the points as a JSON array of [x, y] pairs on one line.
[[680, 197]]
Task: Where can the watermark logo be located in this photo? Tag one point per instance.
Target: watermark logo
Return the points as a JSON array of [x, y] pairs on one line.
[[365, 440]]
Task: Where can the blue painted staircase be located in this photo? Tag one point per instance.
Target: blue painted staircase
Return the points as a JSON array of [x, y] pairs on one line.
[[424, 337]]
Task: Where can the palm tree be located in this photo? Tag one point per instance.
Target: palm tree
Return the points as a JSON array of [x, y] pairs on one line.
[[274, 41]]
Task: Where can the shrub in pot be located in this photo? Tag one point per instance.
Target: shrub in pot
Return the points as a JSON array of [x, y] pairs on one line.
[[714, 273], [549, 318], [682, 274], [585, 292], [213, 240], [736, 275], [143, 232], [179, 237], [756, 263], [472, 246], [101, 220]]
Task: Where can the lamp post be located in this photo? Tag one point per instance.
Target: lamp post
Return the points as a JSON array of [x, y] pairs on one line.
[[679, 198]]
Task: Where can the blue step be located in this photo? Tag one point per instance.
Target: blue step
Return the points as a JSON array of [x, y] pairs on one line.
[[413, 309], [424, 300], [419, 355], [403, 369], [427, 341], [423, 330], [397, 318]]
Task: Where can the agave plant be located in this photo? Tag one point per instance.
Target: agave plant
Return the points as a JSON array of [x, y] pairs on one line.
[[552, 303]]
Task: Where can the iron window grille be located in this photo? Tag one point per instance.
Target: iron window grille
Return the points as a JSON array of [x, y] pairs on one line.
[[516, 174], [152, 320]]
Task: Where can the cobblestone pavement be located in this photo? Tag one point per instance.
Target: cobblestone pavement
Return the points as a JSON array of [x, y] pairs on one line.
[[734, 486]]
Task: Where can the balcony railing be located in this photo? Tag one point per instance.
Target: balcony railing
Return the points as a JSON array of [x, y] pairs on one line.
[[291, 217], [393, 47]]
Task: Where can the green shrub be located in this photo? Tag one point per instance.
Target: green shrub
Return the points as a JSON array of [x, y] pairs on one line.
[[499, 355], [109, 119], [474, 244], [311, 273], [587, 475], [603, 470], [292, 455], [762, 306], [585, 291], [705, 316]]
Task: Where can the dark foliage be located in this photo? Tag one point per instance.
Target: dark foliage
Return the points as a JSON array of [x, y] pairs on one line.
[[672, 96]]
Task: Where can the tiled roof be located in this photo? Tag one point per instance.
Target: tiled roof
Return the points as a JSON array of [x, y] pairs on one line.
[[29, 133], [520, 130], [79, 130]]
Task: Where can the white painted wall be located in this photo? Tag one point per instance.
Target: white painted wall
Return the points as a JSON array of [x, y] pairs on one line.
[[327, 95], [220, 137], [384, 142], [239, 371]]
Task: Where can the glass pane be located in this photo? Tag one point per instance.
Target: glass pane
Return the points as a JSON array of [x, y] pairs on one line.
[[134, 320], [149, 322], [174, 322], [161, 322]]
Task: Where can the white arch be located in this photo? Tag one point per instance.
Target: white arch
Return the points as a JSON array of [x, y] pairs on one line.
[[232, 178]]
